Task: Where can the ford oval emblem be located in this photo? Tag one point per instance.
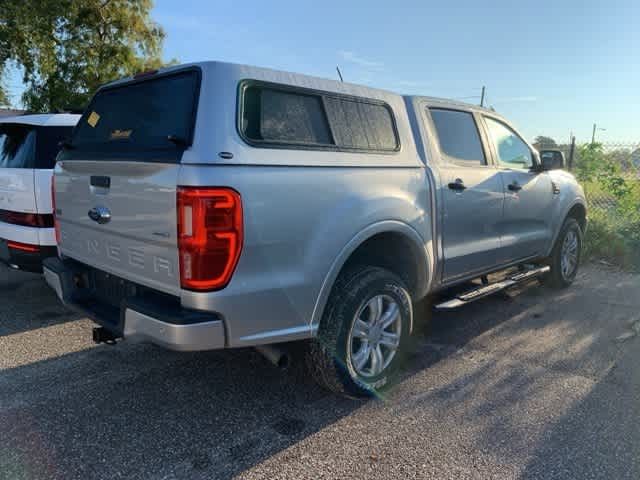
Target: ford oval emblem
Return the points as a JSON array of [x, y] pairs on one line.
[[101, 215]]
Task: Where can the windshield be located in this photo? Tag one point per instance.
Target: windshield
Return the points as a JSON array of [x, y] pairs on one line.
[[155, 114]]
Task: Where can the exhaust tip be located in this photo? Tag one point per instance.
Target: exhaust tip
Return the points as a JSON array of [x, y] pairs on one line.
[[284, 362], [275, 355]]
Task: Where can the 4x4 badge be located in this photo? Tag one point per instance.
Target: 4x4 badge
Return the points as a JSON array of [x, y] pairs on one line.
[[101, 215]]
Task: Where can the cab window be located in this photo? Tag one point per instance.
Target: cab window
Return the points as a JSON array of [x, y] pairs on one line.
[[458, 136], [511, 150]]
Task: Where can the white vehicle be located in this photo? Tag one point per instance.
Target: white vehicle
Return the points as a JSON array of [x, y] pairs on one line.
[[28, 148]]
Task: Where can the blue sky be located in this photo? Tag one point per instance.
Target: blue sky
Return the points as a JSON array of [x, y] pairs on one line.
[[552, 67]]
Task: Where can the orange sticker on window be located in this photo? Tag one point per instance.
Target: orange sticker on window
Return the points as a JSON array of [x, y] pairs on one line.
[[93, 119], [120, 134]]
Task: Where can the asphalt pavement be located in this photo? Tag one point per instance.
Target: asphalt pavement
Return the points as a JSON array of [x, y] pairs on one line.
[[536, 384]]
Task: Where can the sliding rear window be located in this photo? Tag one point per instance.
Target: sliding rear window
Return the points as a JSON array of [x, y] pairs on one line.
[[151, 119], [30, 146], [289, 117]]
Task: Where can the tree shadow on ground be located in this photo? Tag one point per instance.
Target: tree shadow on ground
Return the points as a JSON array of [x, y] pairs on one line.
[[551, 388]]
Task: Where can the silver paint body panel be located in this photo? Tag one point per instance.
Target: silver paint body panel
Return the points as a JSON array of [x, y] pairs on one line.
[[305, 212], [139, 327]]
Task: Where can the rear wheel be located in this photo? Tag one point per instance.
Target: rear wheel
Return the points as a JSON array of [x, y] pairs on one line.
[[566, 254], [364, 334]]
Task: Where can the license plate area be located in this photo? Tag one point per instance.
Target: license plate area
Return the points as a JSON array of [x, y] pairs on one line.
[[111, 289], [105, 297]]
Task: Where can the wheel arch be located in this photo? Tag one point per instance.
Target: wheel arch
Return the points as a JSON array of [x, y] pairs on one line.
[[577, 210], [382, 241]]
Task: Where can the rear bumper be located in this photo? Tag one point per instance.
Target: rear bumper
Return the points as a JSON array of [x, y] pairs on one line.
[[145, 316], [28, 261]]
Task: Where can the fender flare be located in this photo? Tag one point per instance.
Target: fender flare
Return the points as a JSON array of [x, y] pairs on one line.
[[565, 214], [425, 267]]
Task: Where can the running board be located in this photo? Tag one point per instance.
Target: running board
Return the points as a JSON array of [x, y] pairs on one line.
[[486, 290]]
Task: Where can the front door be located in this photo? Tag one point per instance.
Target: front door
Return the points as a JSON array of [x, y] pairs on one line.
[[471, 195], [526, 227]]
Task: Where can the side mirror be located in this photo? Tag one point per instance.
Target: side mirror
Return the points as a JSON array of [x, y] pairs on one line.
[[552, 159]]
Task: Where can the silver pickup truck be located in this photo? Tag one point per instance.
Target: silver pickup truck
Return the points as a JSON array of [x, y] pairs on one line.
[[214, 205]]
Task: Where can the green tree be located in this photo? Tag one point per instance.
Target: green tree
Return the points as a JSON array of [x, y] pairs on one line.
[[67, 48], [590, 160], [541, 142], [4, 101], [622, 157]]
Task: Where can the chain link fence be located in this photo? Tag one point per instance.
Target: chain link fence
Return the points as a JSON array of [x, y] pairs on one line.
[[610, 175]]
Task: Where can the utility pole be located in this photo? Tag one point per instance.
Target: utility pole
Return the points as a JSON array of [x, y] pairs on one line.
[[593, 134], [572, 151], [482, 97]]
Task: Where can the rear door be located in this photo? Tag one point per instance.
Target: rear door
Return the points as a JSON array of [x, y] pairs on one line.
[[116, 184], [27, 157], [526, 226], [17, 154], [471, 195]]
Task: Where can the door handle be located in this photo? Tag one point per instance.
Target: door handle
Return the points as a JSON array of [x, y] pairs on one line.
[[514, 187], [458, 185]]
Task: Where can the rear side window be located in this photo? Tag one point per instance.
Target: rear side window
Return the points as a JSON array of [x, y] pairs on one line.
[[361, 125], [17, 146], [156, 114], [458, 136], [289, 118], [30, 146], [286, 117]]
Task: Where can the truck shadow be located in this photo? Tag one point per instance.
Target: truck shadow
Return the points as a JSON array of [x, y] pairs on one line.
[[139, 411], [27, 303]]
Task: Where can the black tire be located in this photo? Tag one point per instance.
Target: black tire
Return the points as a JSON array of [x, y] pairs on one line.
[[329, 355], [556, 278]]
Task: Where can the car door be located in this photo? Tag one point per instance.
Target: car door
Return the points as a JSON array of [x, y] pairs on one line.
[[470, 194], [17, 151], [526, 225]]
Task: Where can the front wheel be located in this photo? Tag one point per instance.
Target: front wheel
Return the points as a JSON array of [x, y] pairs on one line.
[[364, 334], [566, 254]]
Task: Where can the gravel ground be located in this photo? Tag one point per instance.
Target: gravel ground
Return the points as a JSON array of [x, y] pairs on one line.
[[536, 384]]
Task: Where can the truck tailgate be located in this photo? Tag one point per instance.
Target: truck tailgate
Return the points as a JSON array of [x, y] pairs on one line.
[[138, 240]]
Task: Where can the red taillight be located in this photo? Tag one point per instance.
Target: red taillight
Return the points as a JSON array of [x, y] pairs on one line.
[[56, 224], [209, 236], [25, 247], [37, 220]]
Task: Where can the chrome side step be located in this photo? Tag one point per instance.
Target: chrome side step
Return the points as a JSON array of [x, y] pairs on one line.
[[486, 290]]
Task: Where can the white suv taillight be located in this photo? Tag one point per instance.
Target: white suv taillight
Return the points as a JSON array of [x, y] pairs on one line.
[[56, 223], [209, 236]]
